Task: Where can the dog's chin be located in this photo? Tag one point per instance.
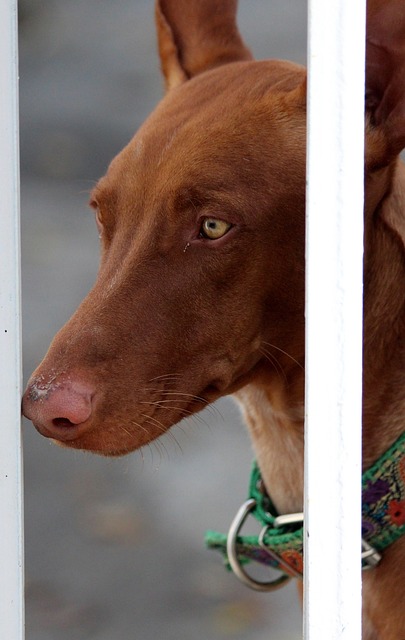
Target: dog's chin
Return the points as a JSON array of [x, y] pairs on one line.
[[86, 448], [105, 440], [116, 437]]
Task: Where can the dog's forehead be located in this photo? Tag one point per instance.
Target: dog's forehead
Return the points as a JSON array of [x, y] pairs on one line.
[[204, 130], [217, 100]]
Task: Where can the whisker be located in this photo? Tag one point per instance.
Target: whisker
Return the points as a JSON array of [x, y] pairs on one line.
[[159, 401], [196, 418], [159, 444], [167, 430], [166, 392], [140, 426], [160, 404], [153, 422], [140, 452], [273, 346], [171, 435], [153, 446], [186, 395], [207, 405], [159, 424], [213, 409], [166, 376], [126, 431], [276, 365]]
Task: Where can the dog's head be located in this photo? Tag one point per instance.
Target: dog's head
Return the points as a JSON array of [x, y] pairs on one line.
[[201, 218]]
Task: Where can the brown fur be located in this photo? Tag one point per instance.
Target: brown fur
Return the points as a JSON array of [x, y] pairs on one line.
[[176, 320]]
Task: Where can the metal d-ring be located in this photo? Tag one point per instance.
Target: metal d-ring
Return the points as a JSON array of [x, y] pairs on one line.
[[236, 567], [292, 572]]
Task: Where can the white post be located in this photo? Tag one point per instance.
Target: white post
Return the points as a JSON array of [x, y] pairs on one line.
[[11, 512], [332, 607]]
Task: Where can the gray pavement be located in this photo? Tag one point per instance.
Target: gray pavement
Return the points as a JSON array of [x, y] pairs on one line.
[[114, 548]]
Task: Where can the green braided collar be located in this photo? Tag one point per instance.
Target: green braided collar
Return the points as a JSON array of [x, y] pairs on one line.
[[383, 517]]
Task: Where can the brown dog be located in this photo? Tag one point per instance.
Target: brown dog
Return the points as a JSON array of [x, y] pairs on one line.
[[200, 291]]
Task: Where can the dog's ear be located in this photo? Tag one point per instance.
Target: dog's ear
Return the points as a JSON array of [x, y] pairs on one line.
[[385, 80], [196, 35]]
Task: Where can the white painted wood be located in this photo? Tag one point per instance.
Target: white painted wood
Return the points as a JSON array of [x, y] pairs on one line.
[[11, 509], [332, 606]]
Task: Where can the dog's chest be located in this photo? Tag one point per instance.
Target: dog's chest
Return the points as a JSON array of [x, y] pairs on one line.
[[278, 446]]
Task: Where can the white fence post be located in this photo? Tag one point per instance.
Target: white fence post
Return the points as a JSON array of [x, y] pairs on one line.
[[11, 517], [332, 606]]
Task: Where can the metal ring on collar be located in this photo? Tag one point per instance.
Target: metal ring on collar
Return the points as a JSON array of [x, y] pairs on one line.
[[236, 566], [291, 571]]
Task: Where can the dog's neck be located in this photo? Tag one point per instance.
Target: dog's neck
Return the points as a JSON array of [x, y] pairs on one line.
[[274, 410], [384, 313], [275, 419]]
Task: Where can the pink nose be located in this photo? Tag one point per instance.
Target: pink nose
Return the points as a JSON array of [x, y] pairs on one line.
[[58, 408]]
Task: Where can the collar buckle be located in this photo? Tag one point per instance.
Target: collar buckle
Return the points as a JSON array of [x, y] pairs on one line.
[[232, 552], [369, 556]]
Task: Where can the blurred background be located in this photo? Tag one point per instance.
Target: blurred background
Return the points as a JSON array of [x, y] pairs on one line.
[[114, 548]]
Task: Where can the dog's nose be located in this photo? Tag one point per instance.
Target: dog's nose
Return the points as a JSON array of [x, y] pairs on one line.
[[58, 408]]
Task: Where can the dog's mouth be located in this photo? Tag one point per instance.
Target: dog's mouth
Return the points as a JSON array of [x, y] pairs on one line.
[[112, 433], [62, 430], [76, 410]]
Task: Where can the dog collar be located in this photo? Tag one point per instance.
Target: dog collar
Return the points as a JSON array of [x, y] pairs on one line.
[[280, 542]]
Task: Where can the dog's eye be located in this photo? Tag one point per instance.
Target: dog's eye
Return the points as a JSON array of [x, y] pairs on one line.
[[212, 228], [97, 214], [99, 222]]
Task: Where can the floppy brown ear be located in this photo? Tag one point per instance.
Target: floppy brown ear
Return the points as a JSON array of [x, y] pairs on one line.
[[385, 78], [196, 35]]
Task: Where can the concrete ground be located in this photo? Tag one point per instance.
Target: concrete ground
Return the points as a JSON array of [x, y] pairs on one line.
[[114, 548]]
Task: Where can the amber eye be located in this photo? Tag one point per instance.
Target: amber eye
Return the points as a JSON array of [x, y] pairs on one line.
[[99, 222], [212, 228], [97, 213]]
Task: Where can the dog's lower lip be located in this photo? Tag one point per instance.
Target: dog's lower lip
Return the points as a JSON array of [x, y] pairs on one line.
[[65, 433]]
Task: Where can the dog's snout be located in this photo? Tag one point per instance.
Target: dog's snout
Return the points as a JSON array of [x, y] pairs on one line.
[[59, 408]]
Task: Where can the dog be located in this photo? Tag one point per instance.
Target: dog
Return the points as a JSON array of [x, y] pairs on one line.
[[200, 291]]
